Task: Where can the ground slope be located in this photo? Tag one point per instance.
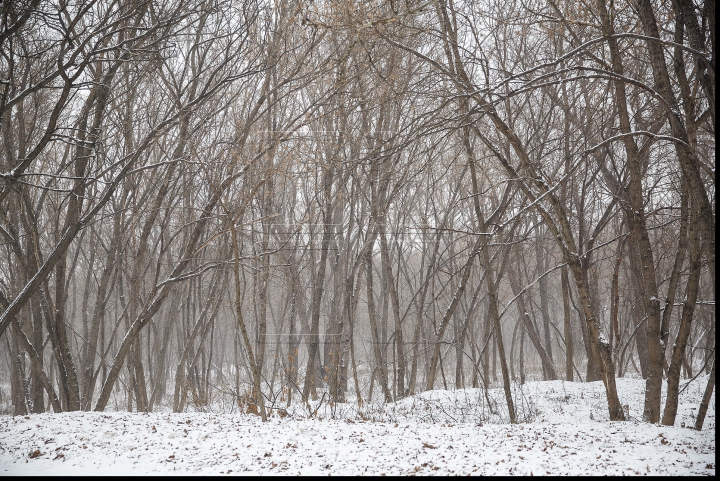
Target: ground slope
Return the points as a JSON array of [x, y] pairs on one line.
[[438, 432]]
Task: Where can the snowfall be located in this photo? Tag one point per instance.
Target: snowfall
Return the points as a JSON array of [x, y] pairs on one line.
[[564, 430]]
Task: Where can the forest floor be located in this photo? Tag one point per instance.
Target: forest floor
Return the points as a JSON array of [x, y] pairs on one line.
[[565, 431]]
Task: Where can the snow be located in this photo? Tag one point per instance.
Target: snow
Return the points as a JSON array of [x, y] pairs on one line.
[[564, 431]]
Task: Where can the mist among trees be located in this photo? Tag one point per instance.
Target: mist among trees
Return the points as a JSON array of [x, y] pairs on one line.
[[267, 202]]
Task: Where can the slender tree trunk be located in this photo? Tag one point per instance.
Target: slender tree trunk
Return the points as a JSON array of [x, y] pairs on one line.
[[310, 385], [257, 389], [543, 288], [567, 328], [378, 346], [522, 354], [395, 301], [706, 399], [678, 352]]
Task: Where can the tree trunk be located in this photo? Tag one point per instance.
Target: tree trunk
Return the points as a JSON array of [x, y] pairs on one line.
[[566, 324], [378, 346], [706, 399], [543, 287], [638, 242], [678, 352], [395, 302], [311, 384]]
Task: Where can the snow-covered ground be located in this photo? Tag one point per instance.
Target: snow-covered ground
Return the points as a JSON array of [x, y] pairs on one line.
[[565, 432]]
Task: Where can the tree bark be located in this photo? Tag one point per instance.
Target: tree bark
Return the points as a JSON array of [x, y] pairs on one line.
[[567, 328], [639, 242], [311, 384], [678, 352], [395, 302], [378, 347], [706, 399]]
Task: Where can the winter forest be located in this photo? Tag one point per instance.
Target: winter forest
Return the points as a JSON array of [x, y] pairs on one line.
[[248, 205]]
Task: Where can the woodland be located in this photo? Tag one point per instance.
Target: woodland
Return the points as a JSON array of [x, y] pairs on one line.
[[264, 202]]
